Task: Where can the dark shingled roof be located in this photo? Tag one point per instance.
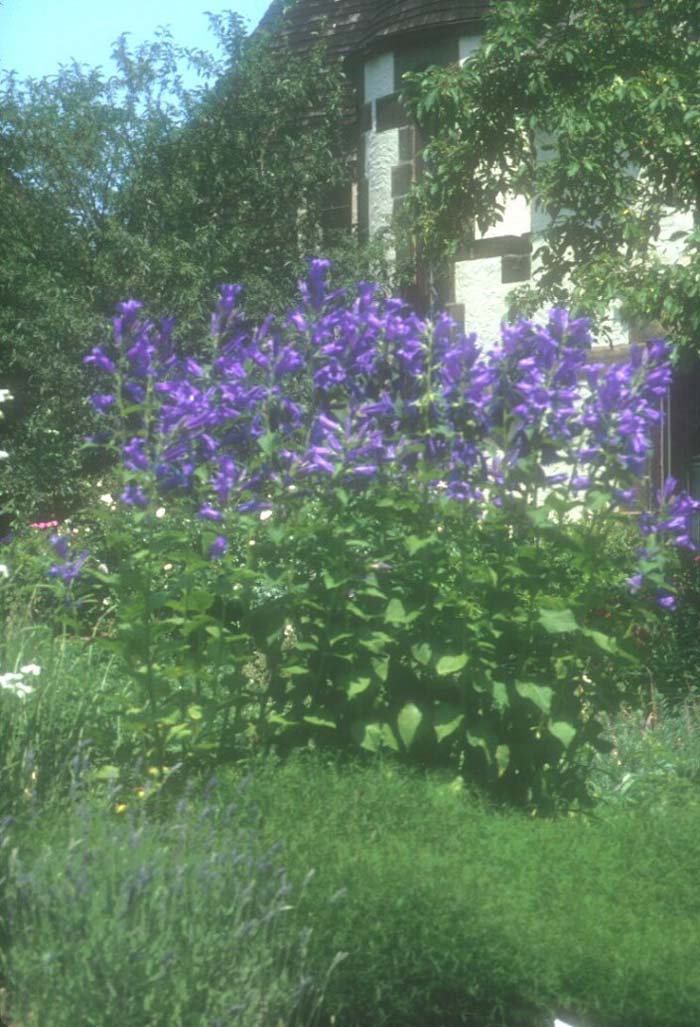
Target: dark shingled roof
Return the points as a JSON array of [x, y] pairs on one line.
[[340, 22], [354, 26], [400, 17]]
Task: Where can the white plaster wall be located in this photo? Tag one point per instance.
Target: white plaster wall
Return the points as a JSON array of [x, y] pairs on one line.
[[379, 78], [516, 219], [478, 286], [381, 148], [671, 250], [467, 46], [382, 154]]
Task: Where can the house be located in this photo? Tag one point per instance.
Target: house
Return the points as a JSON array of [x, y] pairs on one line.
[[379, 41]]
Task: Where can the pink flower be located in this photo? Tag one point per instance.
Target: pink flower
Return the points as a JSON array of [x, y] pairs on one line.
[[44, 525]]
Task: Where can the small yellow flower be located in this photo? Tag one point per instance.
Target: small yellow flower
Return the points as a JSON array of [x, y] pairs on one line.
[[120, 807]]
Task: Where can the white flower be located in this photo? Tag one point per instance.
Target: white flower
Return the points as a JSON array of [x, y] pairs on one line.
[[265, 515], [103, 567], [160, 512], [5, 394], [167, 566], [4, 455], [31, 668], [9, 679], [14, 683], [107, 499], [4, 570]]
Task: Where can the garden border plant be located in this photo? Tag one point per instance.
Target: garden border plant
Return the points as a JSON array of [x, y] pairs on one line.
[[400, 528]]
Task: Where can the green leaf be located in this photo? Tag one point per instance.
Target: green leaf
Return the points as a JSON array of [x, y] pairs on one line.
[[376, 641], [396, 613], [451, 664], [410, 719], [556, 622], [295, 671], [320, 722], [373, 736], [330, 582], [502, 759], [380, 666], [478, 741], [563, 731], [603, 641], [414, 544], [499, 690], [422, 653], [446, 720], [540, 695], [357, 686]]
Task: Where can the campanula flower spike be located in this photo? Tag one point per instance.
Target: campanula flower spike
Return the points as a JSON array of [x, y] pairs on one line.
[[361, 389]]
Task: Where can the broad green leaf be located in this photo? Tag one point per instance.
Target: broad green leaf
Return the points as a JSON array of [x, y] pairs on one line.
[[376, 641], [500, 695], [414, 544], [380, 666], [562, 730], [540, 695], [357, 686], [396, 613], [557, 622], [604, 642], [330, 582], [410, 719], [357, 612], [502, 759], [374, 736], [451, 664], [389, 738], [422, 653], [446, 720], [478, 741]]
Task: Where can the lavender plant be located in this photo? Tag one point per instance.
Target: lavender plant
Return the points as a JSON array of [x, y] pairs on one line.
[[403, 532]]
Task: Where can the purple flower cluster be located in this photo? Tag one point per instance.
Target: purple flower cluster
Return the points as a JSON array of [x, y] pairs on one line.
[[356, 389], [71, 566]]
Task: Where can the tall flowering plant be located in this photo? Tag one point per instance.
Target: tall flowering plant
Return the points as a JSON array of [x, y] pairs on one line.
[[403, 532]]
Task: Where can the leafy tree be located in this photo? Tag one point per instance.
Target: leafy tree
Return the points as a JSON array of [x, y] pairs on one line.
[[591, 109], [133, 185], [68, 145]]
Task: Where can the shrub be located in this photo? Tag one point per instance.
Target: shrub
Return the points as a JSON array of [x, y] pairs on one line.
[[405, 531]]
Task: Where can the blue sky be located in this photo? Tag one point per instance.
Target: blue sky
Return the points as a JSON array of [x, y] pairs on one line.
[[38, 35]]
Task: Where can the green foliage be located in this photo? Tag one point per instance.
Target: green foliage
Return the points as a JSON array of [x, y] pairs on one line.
[[655, 755], [70, 143], [590, 109], [129, 184], [125, 920], [454, 913], [69, 720], [474, 645], [486, 634], [372, 619]]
